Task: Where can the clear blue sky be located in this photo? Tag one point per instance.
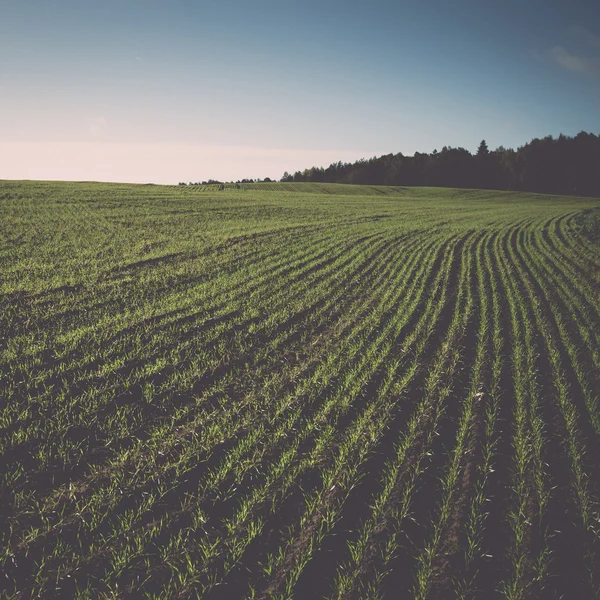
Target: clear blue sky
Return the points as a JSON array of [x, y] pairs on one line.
[[142, 90]]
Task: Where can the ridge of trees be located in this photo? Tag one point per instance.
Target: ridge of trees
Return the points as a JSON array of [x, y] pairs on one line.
[[562, 165]]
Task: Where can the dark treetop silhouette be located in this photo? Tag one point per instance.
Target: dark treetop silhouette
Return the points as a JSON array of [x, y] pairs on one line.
[[562, 165]]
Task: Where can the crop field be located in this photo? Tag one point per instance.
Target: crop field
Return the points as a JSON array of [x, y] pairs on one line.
[[298, 391]]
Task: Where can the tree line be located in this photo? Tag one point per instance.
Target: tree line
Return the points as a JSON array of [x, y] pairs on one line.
[[562, 165]]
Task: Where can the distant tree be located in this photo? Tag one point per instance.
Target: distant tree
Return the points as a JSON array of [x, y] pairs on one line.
[[453, 167], [483, 175], [505, 169]]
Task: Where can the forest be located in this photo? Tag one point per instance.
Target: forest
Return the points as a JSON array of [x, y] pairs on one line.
[[561, 165]]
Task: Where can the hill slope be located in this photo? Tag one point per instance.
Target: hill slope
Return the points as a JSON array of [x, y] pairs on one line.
[[301, 389]]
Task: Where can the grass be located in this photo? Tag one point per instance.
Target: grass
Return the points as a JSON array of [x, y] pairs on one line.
[[296, 391]]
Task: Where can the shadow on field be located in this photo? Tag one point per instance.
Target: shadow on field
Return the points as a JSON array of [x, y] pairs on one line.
[[71, 531], [319, 573]]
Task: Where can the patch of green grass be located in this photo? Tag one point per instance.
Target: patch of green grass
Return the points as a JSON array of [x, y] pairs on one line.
[[297, 390]]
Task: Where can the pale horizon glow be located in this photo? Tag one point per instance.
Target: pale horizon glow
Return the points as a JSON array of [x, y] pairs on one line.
[[164, 163]]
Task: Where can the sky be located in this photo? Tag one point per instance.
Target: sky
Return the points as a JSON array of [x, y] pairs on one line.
[[187, 90]]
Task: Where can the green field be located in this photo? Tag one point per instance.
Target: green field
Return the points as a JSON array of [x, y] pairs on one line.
[[298, 391]]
